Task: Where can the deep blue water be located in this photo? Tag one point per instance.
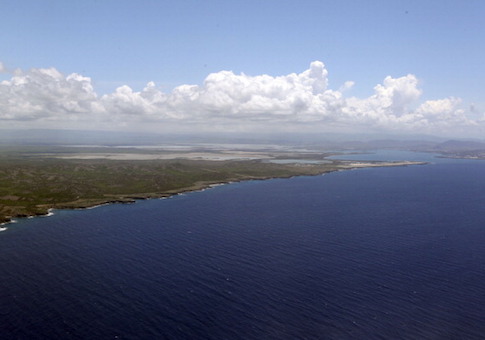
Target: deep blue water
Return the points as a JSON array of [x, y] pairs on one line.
[[383, 253]]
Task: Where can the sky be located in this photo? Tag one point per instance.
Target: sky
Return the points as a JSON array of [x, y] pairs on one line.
[[398, 67]]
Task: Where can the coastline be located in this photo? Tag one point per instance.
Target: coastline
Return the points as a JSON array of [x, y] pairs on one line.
[[82, 204]]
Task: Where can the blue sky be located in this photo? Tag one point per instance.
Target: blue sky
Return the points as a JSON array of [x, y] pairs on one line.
[[117, 43]]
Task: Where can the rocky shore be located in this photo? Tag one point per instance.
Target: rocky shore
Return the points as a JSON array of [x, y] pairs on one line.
[[45, 208]]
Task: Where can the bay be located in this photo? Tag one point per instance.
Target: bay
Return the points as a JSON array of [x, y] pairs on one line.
[[370, 253]]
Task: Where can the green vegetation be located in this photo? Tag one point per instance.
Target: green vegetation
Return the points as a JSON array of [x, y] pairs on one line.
[[33, 179], [30, 185]]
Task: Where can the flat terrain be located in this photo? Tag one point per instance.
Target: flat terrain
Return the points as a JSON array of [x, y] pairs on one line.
[[34, 179]]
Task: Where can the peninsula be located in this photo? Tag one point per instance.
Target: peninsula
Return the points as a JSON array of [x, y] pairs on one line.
[[35, 179]]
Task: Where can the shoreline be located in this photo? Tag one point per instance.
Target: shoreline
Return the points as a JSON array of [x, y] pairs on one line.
[[198, 186]]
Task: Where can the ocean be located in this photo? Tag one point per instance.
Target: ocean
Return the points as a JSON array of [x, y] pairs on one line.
[[381, 253]]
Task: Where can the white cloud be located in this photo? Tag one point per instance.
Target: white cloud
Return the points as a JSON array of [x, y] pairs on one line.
[[303, 100], [45, 94]]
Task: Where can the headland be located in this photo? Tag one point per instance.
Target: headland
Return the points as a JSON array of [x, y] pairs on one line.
[[36, 179]]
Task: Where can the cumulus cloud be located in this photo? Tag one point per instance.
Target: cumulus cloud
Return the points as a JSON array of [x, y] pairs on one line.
[[45, 93], [302, 99]]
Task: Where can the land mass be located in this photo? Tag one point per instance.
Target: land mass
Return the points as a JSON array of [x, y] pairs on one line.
[[35, 179]]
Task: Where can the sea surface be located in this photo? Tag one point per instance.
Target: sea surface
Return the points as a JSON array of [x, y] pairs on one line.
[[381, 253]]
